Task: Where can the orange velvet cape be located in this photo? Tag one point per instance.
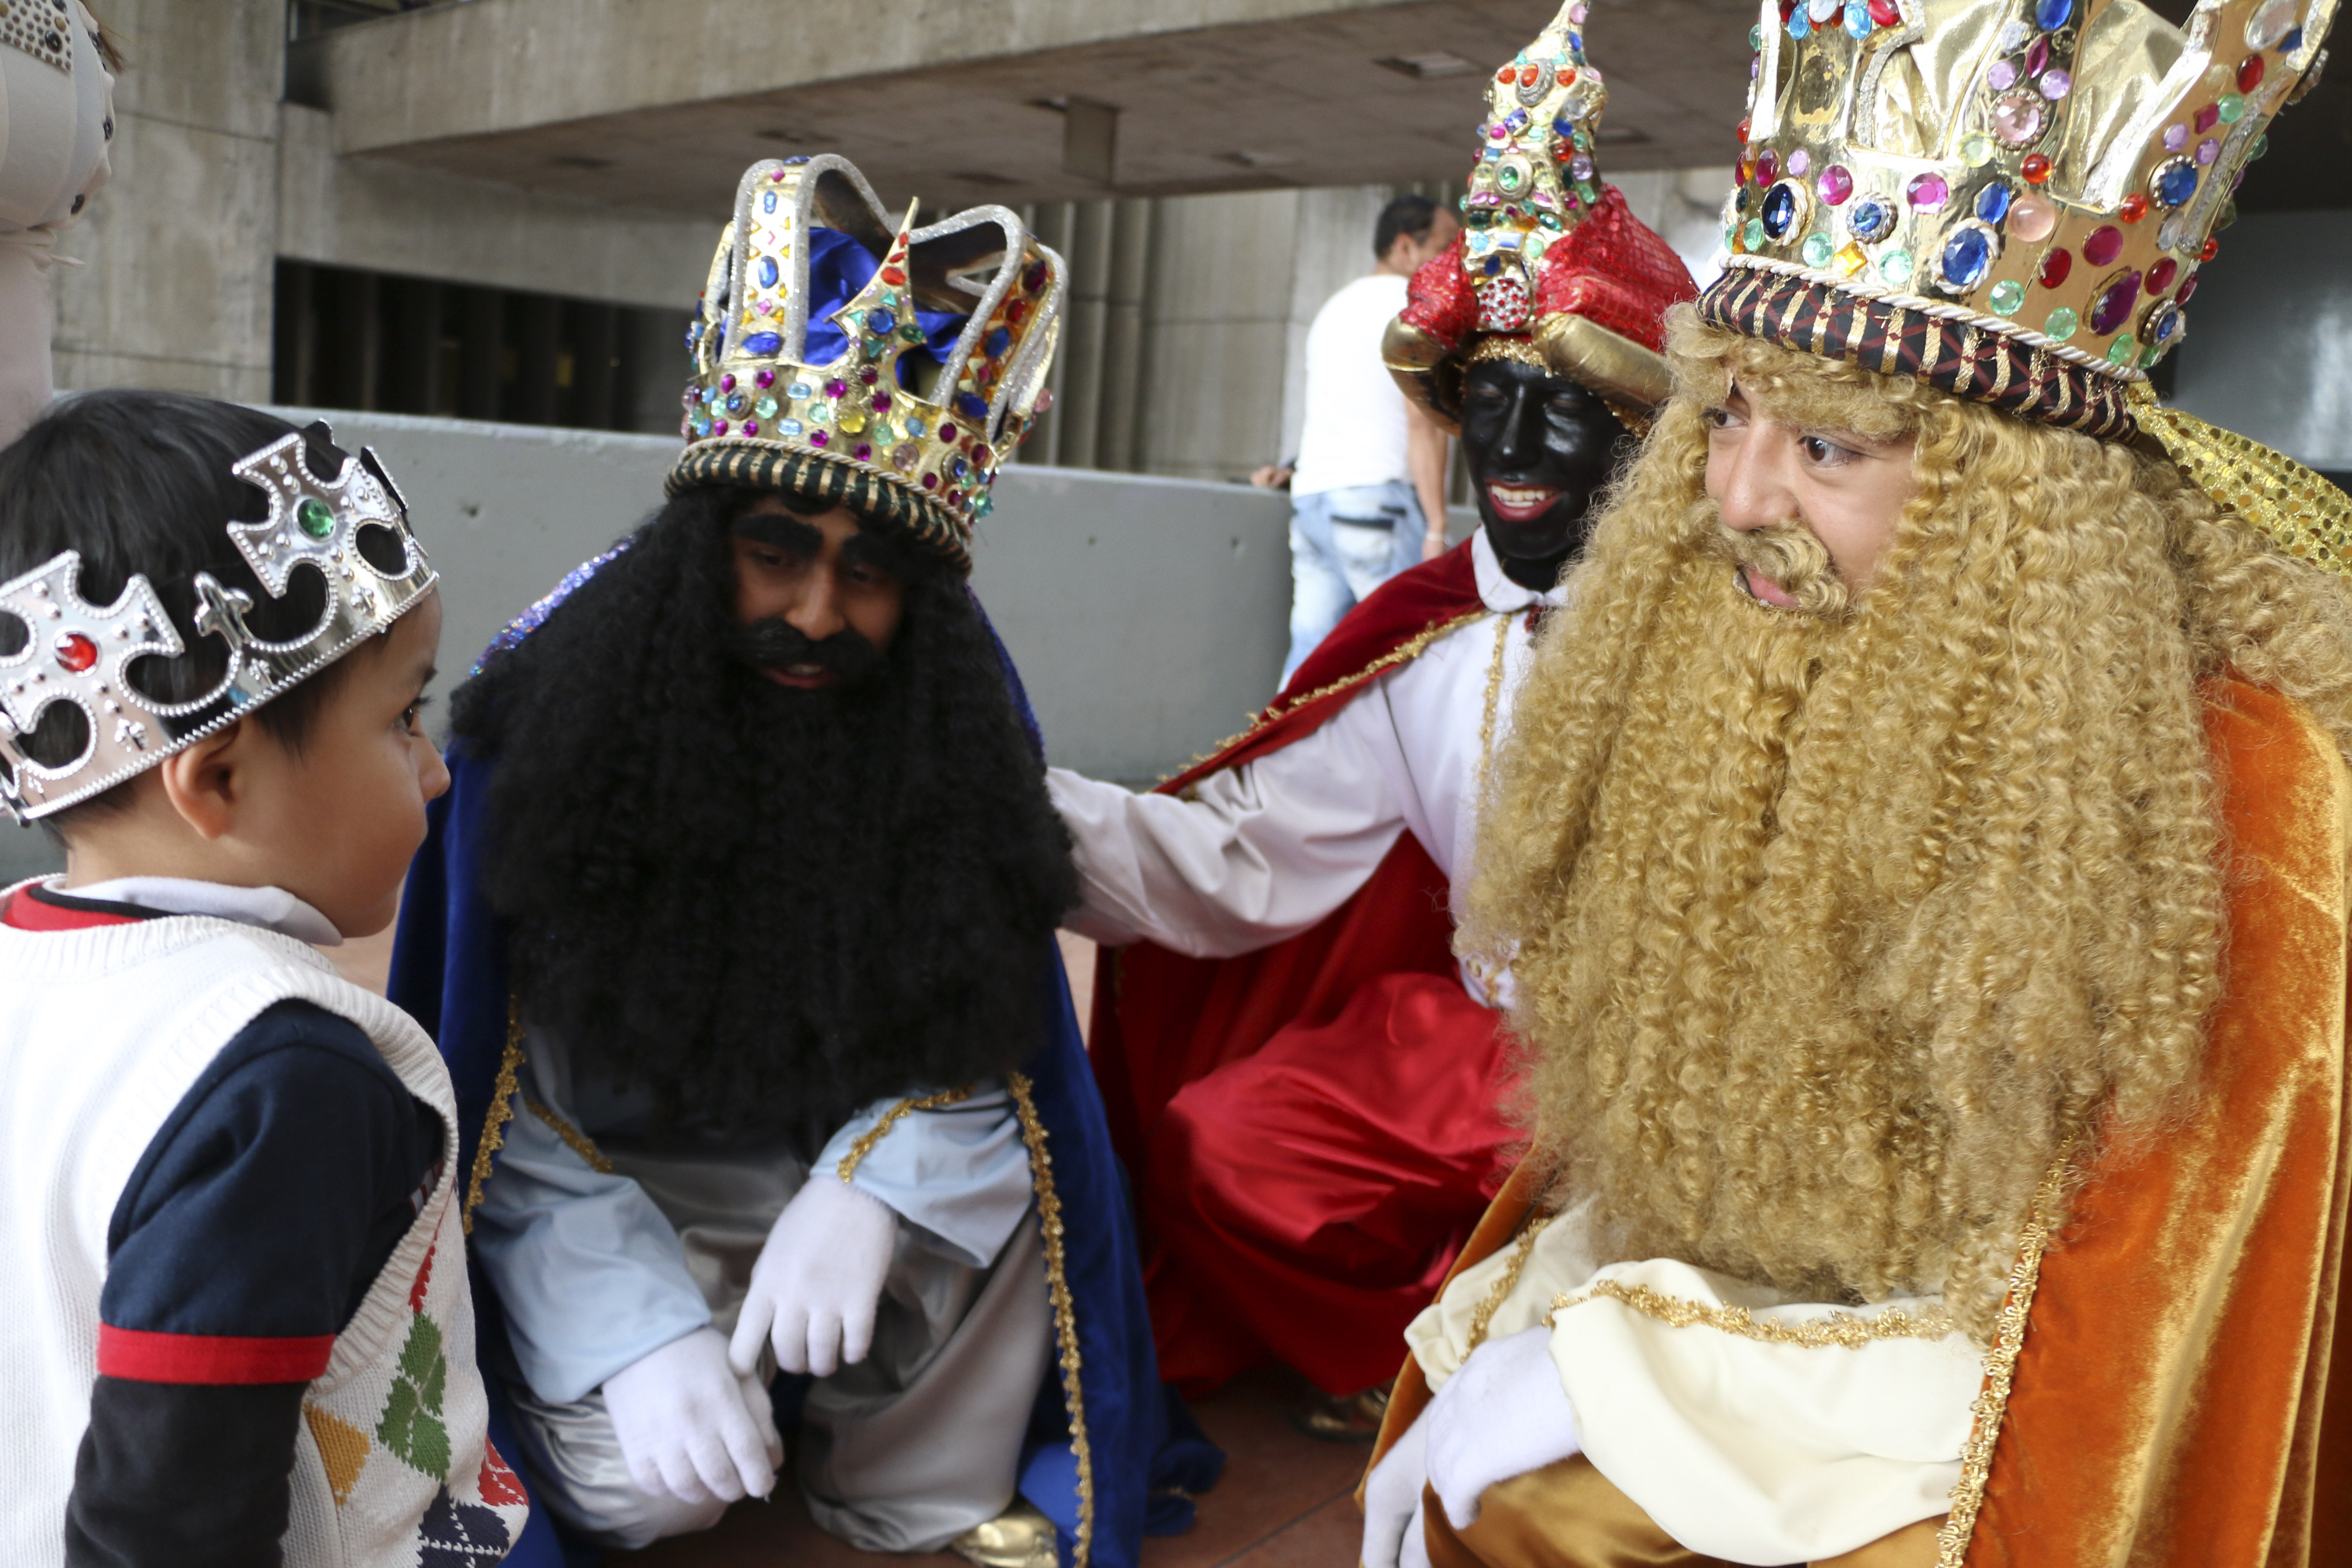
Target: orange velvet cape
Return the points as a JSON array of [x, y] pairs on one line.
[[2171, 1398]]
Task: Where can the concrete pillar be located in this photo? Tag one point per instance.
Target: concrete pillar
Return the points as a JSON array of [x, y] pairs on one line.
[[1126, 367], [1052, 223], [182, 240], [1221, 291], [1083, 335]]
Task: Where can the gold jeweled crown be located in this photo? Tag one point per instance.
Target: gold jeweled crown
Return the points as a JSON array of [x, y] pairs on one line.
[[2052, 171], [945, 334], [1552, 268], [1534, 180]]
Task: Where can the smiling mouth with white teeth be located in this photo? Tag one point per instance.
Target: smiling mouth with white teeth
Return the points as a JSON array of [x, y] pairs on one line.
[[1519, 503], [803, 676]]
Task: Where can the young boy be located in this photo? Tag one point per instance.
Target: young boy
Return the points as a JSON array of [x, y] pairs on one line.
[[237, 1327]]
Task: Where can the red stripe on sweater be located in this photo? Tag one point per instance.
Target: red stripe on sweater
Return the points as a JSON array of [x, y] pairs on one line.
[[143, 1356], [25, 913]]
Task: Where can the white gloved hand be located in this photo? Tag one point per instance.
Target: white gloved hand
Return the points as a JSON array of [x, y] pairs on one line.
[[1502, 1415], [688, 1425], [818, 1281], [1392, 1499]]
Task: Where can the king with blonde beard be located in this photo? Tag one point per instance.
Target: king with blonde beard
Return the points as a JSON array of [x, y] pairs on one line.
[[1919, 856]]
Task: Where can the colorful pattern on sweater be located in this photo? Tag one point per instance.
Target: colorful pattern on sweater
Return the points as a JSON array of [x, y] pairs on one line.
[[477, 1523]]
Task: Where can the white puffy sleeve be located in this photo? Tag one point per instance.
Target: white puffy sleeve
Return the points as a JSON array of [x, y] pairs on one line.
[[1750, 1427], [1249, 855]]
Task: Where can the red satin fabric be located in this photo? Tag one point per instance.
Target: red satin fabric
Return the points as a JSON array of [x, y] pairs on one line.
[[1612, 268], [1309, 1198], [1361, 1183]]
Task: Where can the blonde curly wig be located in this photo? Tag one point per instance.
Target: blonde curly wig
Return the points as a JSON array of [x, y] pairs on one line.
[[1831, 932]]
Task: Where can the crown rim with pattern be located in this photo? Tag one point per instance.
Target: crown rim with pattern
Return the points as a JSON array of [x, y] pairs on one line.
[[2016, 170], [80, 653]]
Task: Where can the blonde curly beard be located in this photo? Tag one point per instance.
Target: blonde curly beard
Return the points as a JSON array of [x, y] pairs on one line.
[[1833, 933]]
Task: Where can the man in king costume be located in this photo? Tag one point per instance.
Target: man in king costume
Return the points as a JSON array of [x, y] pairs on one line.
[[1920, 858], [737, 929], [1294, 1067]]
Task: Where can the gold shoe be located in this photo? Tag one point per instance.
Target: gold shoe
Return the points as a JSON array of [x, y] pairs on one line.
[[1020, 1537], [1341, 1418]]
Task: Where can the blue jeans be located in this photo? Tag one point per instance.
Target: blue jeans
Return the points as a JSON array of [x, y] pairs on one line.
[[1344, 544]]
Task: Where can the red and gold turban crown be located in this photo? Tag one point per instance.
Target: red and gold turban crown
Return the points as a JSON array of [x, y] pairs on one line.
[[1552, 267]]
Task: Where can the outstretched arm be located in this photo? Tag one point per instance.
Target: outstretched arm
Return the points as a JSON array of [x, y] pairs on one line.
[[1246, 858]]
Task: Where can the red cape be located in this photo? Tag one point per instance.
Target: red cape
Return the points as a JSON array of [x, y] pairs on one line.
[[1160, 1019]]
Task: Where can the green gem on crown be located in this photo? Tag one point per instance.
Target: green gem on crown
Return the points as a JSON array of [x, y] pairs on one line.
[[315, 517]]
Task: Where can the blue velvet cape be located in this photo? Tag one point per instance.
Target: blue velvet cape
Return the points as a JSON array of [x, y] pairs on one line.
[[1144, 1455]]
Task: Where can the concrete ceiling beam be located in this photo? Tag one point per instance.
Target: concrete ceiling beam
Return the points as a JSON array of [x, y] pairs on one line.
[[661, 105]]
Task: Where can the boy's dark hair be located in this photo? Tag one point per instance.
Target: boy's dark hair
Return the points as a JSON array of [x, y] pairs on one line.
[[140, 483], [1403, 215]]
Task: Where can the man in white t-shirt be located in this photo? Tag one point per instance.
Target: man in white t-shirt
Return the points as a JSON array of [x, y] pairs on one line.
[[1368, 490]]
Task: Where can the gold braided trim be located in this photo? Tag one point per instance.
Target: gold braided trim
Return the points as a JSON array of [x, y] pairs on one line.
[[891, 1118], [1403, 652], [494, 1120], [1484, 1318], [1065, 1316], [1841, 1330], [2001, 1371], [1493, 706], [1512, 347], [578, 1141], [2302, 513]]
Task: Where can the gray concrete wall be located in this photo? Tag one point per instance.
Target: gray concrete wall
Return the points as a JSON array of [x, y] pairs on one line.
[[2268, 350], [1147, 615]]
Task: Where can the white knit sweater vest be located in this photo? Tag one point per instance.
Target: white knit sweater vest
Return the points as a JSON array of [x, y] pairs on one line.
[[103, 1032]]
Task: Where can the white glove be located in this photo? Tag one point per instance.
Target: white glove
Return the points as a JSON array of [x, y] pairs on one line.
[[1392, 1503], [1504, 1413], [818, 1279], [690, 1427]]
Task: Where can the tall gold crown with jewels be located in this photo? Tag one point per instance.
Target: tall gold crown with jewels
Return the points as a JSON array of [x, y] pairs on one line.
[[850, 359], [2009, 200], [2047, 172]]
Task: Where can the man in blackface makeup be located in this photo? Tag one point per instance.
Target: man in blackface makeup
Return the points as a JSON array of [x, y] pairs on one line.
[[1304, 1082], [736, 929]]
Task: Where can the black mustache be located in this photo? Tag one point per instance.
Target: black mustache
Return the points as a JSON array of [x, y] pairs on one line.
[[776, 644]]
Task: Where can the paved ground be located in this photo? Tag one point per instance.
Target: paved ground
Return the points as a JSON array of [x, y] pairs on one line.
[[1286, 1501]]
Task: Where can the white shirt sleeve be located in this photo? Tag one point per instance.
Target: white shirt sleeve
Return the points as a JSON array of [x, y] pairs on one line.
[[959, 1175], [1256, 854], [590, 1275], [1740, 1447]]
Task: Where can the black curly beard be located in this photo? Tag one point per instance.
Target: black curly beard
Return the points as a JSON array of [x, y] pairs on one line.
[[767, 906]]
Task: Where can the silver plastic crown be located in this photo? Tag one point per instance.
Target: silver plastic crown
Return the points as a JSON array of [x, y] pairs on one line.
[[80, 653]]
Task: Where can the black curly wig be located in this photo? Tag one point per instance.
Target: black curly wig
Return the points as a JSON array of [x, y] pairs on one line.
[[767, 906]]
